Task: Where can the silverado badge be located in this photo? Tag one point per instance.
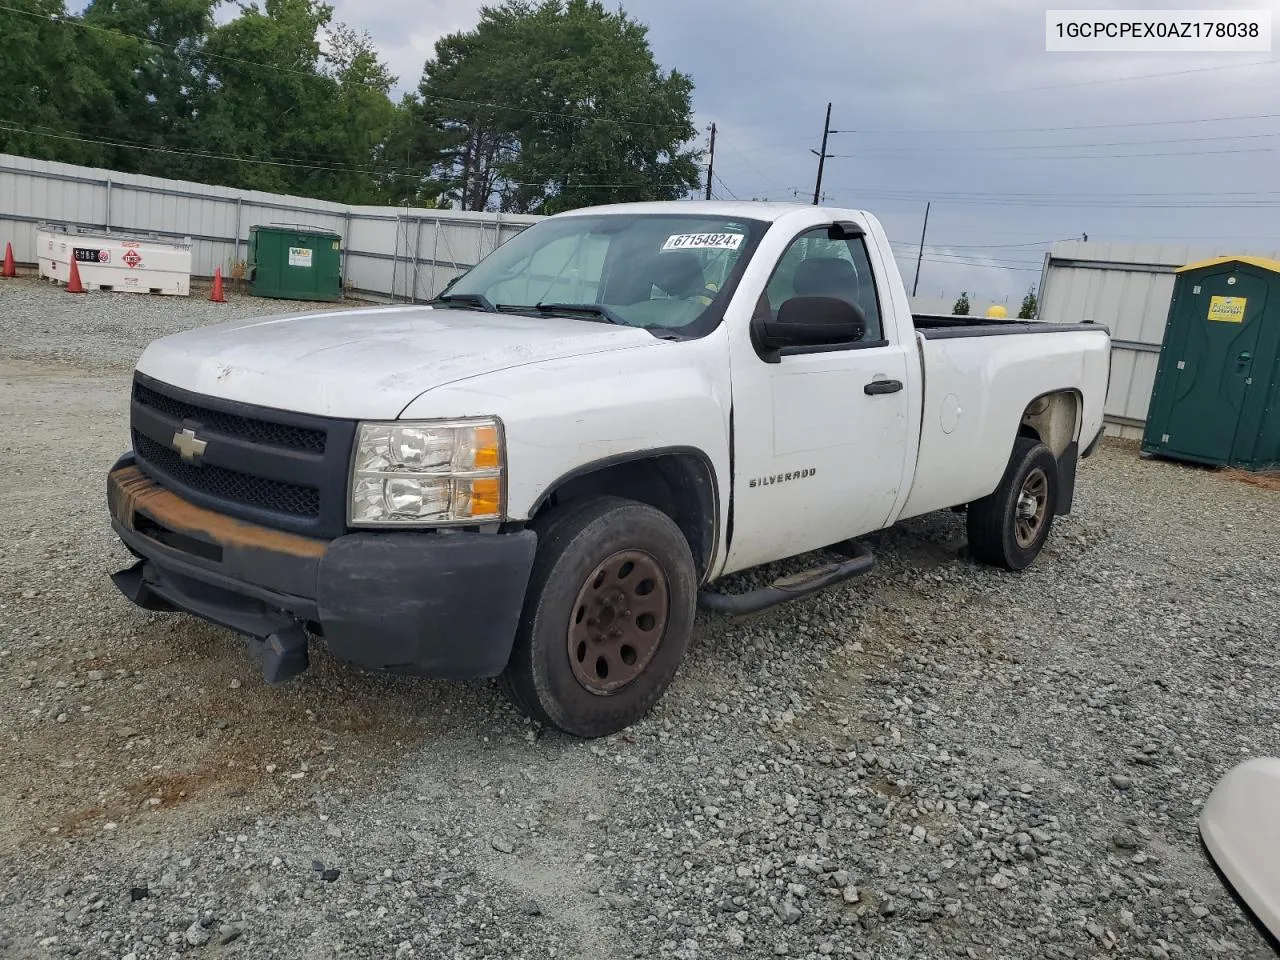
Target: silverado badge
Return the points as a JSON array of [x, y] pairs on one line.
[[782, 477]]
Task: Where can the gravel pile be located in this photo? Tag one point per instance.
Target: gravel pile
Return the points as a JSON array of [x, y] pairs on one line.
[[100, 331], [936, 761]]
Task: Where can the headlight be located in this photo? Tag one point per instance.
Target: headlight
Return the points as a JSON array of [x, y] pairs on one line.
[[423, 473]]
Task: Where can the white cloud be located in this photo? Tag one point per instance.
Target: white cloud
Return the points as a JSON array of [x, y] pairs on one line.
[[405, 31]]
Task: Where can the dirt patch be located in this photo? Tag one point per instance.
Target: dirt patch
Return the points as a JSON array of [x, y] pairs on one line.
[[172, 719], [1269, 480]]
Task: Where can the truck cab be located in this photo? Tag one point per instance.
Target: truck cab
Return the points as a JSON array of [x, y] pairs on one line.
[[541, 474]]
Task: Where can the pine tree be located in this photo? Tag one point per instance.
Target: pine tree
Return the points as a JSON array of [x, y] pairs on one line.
[[1029, 305]]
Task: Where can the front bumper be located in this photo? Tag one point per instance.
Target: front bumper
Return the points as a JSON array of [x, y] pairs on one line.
[[438, 604]]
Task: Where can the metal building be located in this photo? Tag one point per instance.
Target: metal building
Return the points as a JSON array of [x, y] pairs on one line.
[[1218, 382], [1127, 288]]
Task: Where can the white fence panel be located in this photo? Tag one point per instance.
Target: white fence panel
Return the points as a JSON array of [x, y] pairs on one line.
[[400, 252]]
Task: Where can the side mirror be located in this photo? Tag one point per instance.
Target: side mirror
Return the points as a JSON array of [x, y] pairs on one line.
[[845, 230], [810, 322]]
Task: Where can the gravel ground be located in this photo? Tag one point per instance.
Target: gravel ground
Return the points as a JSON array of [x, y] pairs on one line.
[[938, 760]]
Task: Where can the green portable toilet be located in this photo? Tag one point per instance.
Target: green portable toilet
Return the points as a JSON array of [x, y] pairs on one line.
[[1216, 398], [295, 263]]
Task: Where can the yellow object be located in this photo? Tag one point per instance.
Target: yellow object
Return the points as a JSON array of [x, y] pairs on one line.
[[996, 310], [487, 454], [486, 497], [1227, 309], [1263, 262]]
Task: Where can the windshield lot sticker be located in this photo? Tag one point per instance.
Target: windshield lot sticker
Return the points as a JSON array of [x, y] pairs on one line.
[[1227, 309], [703, 241]]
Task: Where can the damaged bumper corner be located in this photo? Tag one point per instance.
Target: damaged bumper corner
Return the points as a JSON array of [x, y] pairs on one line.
[[432, 604]]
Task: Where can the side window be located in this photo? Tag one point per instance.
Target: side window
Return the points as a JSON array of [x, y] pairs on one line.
[[816, 266]]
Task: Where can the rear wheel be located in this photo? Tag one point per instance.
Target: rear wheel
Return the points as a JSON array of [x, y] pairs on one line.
[[607, 617], [1008, 528]]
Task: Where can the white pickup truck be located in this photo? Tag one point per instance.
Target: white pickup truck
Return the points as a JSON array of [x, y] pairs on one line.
[[543, 472]]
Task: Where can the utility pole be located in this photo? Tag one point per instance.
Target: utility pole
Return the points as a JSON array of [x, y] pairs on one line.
[[920, 255], [711, 160], [826, 129]]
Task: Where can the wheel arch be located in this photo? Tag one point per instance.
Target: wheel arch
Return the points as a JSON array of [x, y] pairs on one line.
[[1054, 418], [679, 481]]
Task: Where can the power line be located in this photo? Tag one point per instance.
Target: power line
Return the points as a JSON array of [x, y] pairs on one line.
[[988, 246], [1145, 76], [729, 144], [900, 249], [725, 188], [1189, 200], [800, 139], [974, 259], [113, 140], [1066, 146], [388, 172], [888, 154], [951, 131], [993, 266]]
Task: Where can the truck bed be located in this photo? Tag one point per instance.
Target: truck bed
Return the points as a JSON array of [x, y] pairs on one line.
[[937, 326]]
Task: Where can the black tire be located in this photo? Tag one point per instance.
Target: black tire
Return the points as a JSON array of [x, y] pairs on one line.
[[576, 545], [997, 533]]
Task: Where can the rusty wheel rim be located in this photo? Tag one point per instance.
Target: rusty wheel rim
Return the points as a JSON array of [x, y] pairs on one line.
[[618, 621], [1033, 502]]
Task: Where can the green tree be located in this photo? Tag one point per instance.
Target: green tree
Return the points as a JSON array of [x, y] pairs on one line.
[[50, 85], [555, 105], [292, 103], [961, 307], [1029, 305], [143, 52]]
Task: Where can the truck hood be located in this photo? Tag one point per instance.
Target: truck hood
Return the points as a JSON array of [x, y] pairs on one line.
[[366, 363]]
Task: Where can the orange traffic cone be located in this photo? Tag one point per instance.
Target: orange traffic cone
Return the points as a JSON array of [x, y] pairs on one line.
[[216, 296], [74, 285], [9, 269]]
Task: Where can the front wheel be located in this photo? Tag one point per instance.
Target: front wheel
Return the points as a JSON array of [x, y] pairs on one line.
[[1008, 528], [607, 616]]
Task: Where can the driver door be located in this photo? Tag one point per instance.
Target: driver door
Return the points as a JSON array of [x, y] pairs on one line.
[[820, 430]]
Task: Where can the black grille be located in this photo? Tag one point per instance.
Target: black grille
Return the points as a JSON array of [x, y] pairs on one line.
[[255, 431], [259, 492]]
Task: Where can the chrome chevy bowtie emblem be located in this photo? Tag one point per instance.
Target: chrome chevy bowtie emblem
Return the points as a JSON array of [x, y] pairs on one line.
[[188, 444]]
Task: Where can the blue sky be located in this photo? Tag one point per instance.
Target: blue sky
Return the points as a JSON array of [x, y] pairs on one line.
[[957, 103]]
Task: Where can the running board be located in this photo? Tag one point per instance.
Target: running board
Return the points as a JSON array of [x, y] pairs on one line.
[[861, 560]]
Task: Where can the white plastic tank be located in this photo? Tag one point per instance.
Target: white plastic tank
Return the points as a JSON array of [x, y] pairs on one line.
[[130, 263]]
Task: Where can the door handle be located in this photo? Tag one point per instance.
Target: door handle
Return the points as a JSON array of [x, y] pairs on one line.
[[882, 386]]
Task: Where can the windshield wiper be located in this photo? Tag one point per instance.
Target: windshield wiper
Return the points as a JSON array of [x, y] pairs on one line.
[[592, 309], [469, 299]]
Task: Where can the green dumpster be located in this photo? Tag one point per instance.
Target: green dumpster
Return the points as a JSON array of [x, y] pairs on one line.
[[1217, 391], [294, 263]]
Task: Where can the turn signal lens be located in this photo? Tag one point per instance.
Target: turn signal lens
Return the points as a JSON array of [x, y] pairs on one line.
[[483, 499], [487, 453]]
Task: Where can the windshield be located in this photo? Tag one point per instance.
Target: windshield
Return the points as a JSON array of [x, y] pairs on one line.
[[667, 271]]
